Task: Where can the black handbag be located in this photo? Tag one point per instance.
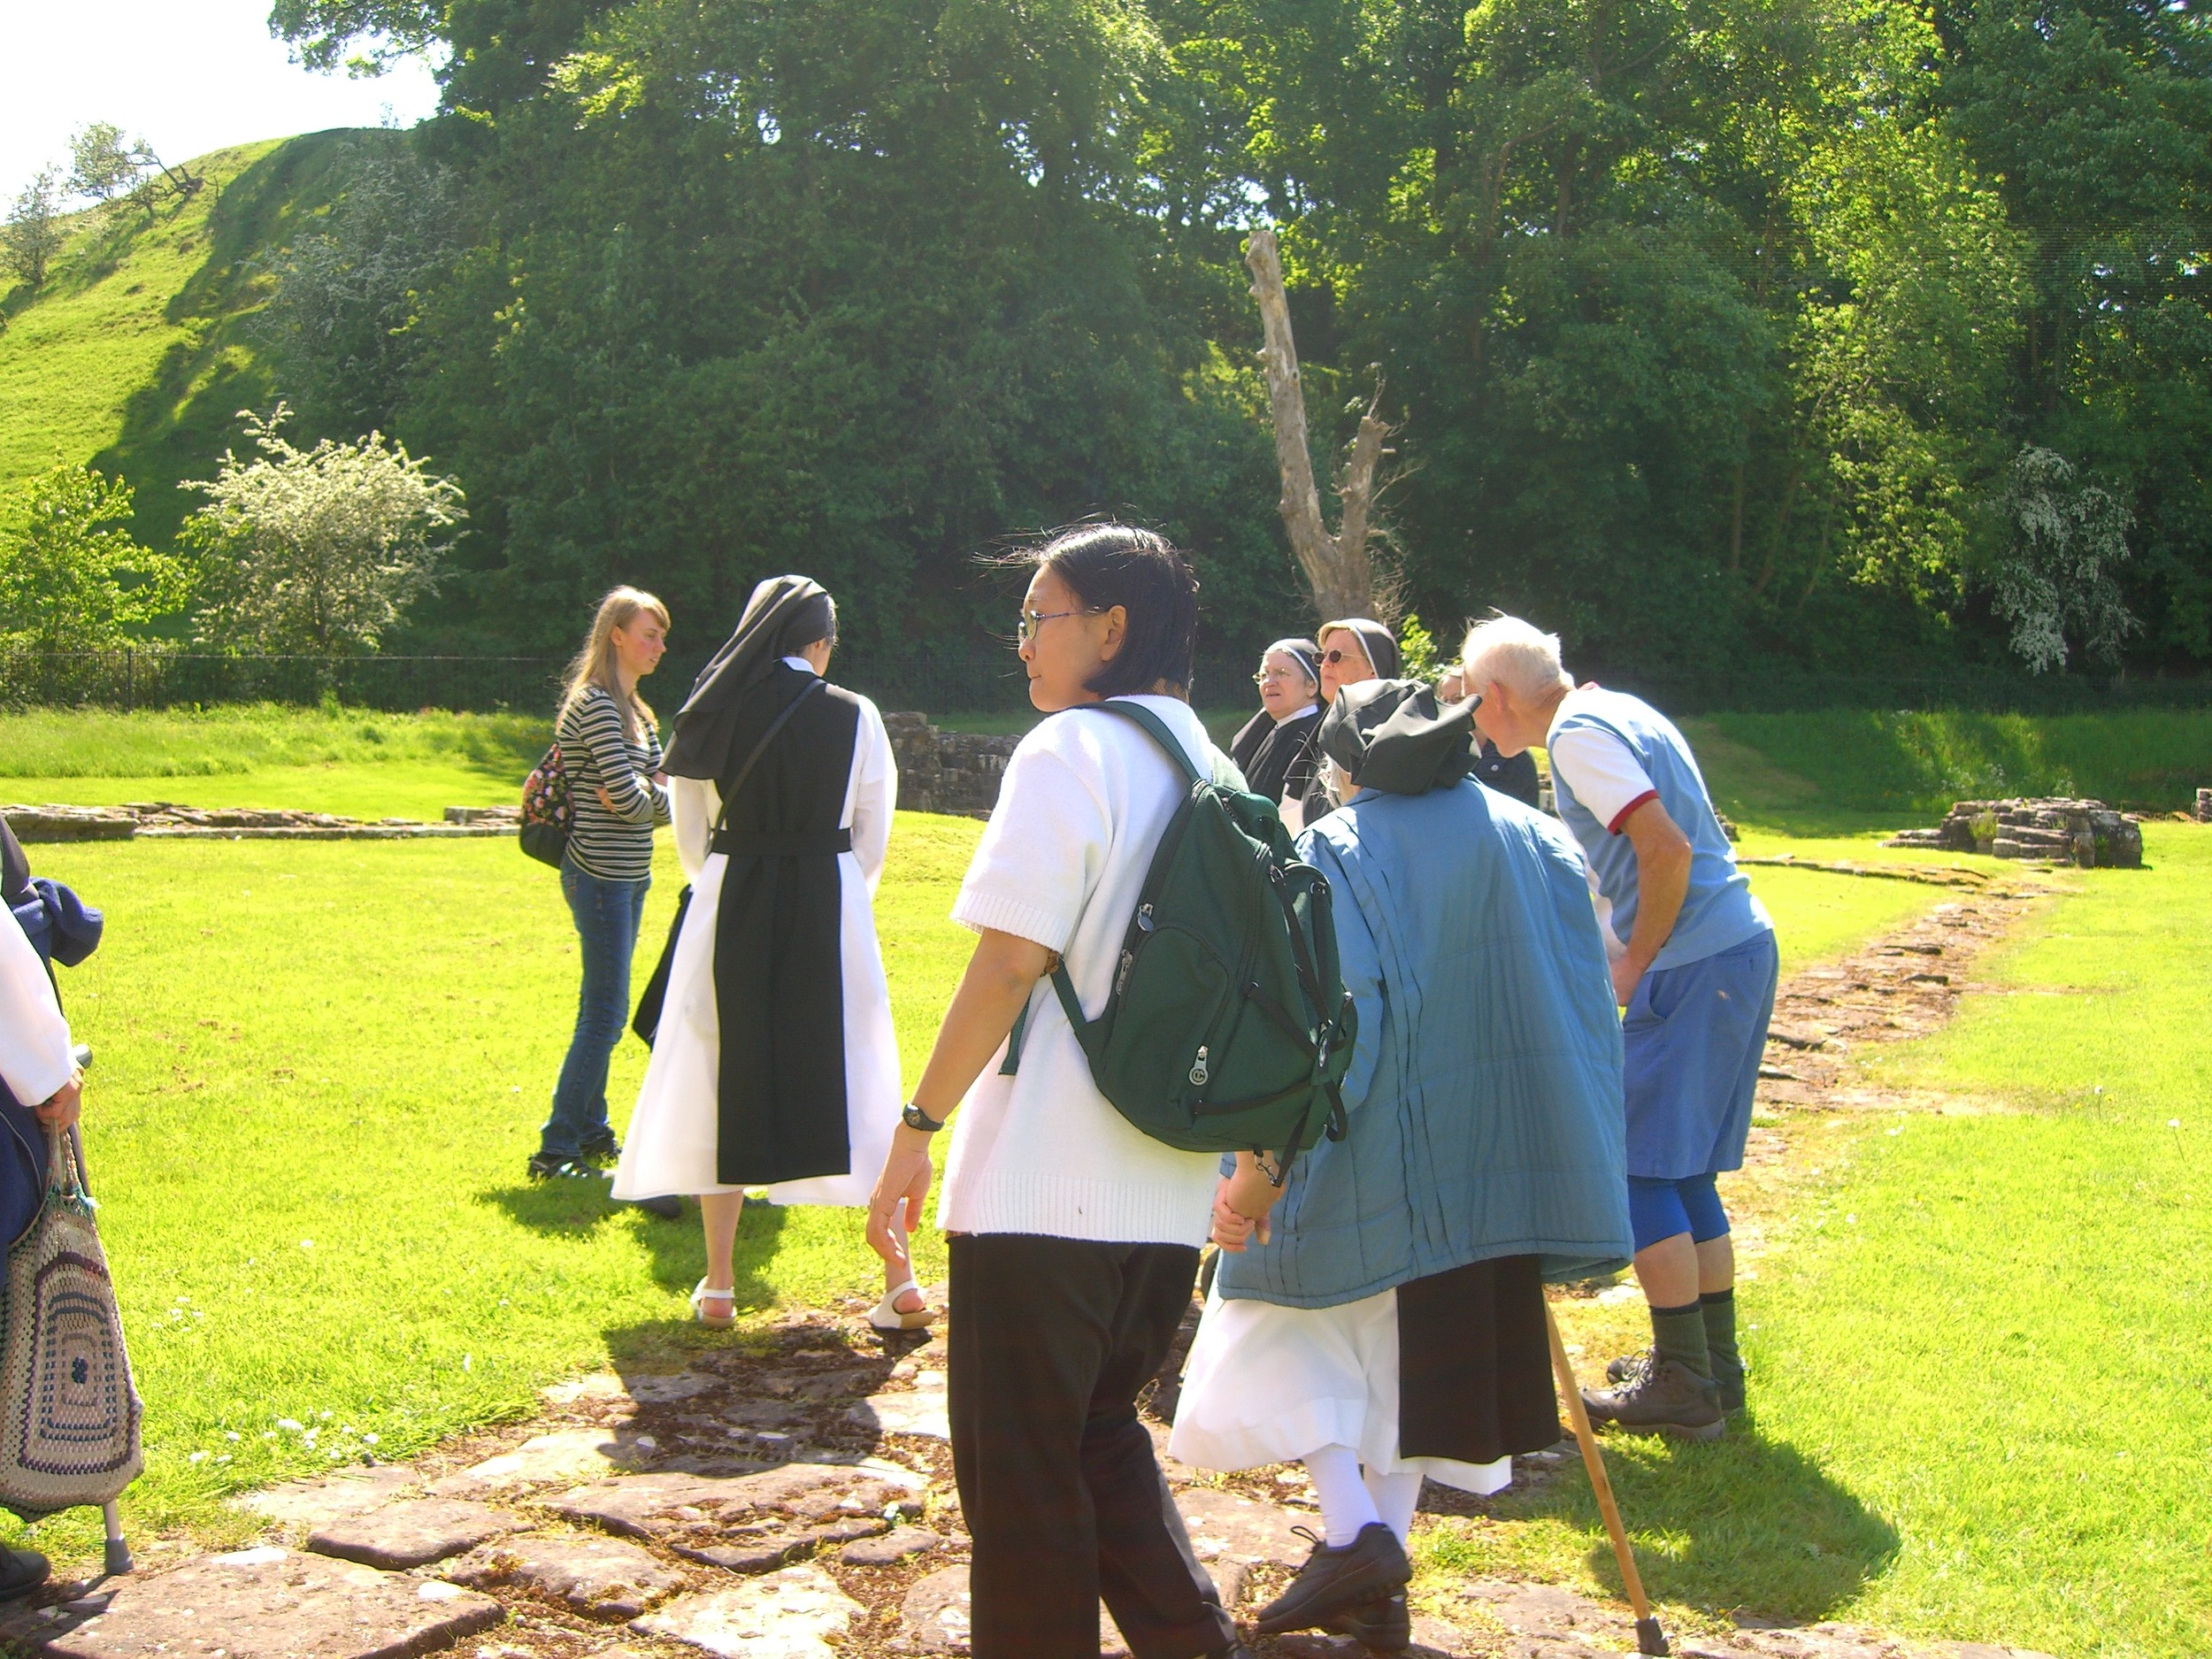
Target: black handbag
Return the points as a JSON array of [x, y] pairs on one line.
[[646, 1021]]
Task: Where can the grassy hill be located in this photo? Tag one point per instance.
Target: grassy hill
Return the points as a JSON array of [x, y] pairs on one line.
[[140, 350]]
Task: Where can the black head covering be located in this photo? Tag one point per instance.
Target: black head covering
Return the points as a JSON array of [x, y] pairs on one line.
[[1392, 735], [1305, 653], [15, 869], [785, 615], [1381, 647]]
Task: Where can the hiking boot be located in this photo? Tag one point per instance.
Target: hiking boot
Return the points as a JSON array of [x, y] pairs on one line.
[[543, 1166], [1382, 1624], [1726, 1378], [1336, 1579], [600, 1149], [1659, 1397]]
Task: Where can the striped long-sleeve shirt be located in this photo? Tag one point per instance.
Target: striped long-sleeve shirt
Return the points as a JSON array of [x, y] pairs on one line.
[[615, 846]]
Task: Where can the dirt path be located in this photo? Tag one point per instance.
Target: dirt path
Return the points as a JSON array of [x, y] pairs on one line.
[[790, 1497]]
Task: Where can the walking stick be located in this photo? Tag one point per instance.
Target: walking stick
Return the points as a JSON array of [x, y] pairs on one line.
[[1649, 1638]]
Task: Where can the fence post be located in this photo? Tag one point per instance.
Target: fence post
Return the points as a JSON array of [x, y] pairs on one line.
[[130, 678]]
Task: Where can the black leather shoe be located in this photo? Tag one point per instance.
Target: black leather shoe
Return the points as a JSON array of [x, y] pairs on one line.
[[1383, 1624], [600, 1149], [1335, 1580], [667, 1208], [21, 1571]]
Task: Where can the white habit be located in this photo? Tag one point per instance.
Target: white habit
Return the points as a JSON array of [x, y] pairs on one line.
[[671, 1145]]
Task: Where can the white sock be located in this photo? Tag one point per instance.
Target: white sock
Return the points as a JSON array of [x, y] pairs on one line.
[[1345, 1505], [1395, 1498]]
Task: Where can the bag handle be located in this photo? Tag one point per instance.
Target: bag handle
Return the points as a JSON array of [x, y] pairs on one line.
[[722, 818]]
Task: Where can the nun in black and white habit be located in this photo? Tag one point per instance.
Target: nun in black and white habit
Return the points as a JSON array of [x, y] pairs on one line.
[[774, 1064]]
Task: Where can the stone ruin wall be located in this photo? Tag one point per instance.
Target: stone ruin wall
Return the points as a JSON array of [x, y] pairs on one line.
[[2084, 833], [947, 771]]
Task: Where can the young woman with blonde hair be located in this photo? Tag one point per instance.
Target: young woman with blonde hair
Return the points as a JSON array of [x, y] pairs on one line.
[[612, 749]]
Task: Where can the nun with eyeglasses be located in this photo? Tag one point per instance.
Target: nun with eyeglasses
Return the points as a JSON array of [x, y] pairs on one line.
[[1275, 749]]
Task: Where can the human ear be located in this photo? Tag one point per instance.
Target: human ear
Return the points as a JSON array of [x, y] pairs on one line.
[[1114, 634]]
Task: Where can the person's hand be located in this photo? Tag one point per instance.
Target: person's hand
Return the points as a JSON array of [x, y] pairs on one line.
[[906, 1175], [1233, 1231], [661, 777], [1452, 687], [1250, 1194], [60, 1112], [1626, 974], [606, 800]]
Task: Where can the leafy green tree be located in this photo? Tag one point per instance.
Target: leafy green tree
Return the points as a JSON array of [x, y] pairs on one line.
[[71, 577], [103, 166], [2070, 538], [348, 294], [32, 234], [317, 550]]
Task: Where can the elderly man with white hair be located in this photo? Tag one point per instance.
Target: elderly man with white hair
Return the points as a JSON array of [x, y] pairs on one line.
[[1695, 965]]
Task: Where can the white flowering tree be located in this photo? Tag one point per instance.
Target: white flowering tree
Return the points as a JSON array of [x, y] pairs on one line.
[[2058, 577], [316, 550]]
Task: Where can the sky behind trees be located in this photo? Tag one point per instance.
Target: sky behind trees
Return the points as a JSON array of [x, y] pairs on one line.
[[191, 75]]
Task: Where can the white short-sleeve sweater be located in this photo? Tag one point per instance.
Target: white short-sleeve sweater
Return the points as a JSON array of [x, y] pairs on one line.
[[1062, 861]]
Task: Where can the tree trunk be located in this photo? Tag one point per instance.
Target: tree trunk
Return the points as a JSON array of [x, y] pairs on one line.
[[1336, 567]]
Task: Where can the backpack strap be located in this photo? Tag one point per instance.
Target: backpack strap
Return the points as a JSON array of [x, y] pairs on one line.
[[1155, 728]]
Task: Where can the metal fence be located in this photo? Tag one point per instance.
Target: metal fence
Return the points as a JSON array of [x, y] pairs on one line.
[[977, 681], [970, 679]]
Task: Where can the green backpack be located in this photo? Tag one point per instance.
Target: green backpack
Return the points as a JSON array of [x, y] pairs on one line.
[[1229, 1028]]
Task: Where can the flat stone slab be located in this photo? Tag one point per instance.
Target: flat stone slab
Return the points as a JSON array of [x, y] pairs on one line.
[[788, 1615], [893, 1546], [414, 1532], [600, 1578], [568, 1454], [262, 1603], [921, 1412], [312, 1503], [934, 1618], [654, 1391], [745, 1522]]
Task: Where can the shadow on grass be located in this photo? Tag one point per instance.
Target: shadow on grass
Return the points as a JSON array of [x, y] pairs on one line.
[[1748, 1526], [677, 1249]]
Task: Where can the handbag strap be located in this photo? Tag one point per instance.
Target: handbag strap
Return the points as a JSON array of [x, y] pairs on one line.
[[722, 818]]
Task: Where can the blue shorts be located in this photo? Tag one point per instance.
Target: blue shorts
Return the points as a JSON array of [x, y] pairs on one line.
[[1692, 1039]]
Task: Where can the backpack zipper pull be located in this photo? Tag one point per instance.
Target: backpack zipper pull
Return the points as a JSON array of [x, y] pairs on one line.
[[1200, 1072], [1144, 918]]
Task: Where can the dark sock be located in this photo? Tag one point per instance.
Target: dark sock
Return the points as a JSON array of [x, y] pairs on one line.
[[1679, 1333], [1720, 1308]]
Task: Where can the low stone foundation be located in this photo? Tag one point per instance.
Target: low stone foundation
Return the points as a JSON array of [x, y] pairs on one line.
[[164, 821], [2084, 833], [956, 772]]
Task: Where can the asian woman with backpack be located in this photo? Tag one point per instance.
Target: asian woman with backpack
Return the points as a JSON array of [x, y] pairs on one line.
[[1074, 1236]]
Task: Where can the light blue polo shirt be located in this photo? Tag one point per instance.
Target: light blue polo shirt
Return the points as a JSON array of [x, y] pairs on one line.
[[1718, 910]]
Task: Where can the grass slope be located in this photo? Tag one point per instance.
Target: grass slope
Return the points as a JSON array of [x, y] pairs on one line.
[[138, 353]]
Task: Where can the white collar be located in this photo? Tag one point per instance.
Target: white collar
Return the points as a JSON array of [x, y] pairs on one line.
[[1299, 714], [801, 663]]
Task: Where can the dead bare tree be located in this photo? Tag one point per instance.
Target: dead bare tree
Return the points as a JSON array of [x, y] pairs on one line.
[[1337, 567]]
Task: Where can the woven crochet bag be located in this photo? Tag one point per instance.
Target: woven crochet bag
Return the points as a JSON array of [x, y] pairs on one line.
[[69, 1414]]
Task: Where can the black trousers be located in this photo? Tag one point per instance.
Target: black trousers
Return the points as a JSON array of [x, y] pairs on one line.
[[1050, 1340]]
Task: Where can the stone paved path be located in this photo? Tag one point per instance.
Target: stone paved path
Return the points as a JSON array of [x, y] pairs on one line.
[[793, 1498]]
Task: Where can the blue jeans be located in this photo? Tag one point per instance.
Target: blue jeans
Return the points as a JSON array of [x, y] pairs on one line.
[[606, 916]]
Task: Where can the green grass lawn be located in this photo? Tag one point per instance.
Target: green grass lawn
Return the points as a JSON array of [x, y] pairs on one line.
[[1982, 1397], [358, 762], [319, 1069]]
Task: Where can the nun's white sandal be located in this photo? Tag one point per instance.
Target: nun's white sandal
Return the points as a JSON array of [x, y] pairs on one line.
[[884, 1315], [700, 1295]]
